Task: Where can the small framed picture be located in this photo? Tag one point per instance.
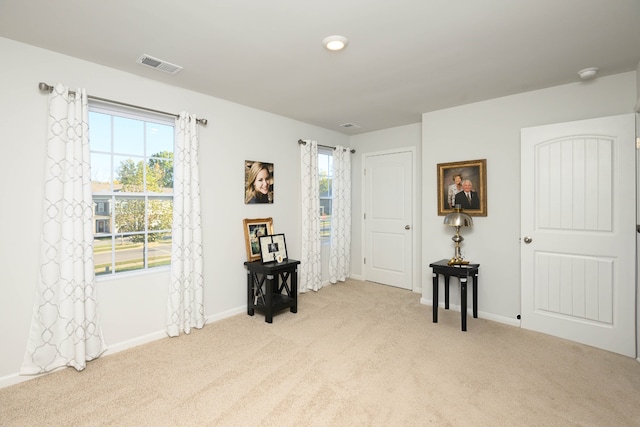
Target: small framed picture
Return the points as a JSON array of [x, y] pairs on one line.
[[273, 248], [253, 230]]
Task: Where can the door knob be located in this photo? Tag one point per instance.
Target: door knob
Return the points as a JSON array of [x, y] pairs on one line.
[[407, 227], [527, 239]]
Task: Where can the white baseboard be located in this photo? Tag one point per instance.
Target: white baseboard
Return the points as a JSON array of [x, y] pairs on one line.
[[481, 314], [16, 378]]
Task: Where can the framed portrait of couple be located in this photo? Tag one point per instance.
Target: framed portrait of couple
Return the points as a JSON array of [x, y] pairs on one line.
[[463, 184]]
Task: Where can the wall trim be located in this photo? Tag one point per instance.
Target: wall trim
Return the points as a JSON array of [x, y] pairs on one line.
[[16, 378]]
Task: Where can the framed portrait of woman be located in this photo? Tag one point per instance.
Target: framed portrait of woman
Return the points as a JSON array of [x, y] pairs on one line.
[[258, 182]]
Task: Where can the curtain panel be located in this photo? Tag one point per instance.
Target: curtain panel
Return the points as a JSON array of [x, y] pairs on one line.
[[185, 305], [65, 326], [340, 249], [310, 268]]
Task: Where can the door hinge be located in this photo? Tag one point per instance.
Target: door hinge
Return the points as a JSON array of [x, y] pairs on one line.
[[365, 260], [365, 215]]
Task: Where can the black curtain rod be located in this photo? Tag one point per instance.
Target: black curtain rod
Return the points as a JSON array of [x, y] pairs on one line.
[[325, 146], [46, 88]]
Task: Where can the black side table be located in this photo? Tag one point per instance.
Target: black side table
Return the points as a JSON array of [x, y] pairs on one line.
[[462, 272], [265, 286]]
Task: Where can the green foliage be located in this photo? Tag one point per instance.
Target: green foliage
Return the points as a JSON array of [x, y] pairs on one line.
[[163, 164], [130, 212], [325, 185]]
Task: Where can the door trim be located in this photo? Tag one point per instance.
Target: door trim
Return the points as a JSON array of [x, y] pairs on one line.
[[416, 285]]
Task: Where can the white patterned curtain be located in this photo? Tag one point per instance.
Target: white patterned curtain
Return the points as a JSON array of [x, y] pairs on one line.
[[310, 277], [65, 327], [340, 249], [185, 306]]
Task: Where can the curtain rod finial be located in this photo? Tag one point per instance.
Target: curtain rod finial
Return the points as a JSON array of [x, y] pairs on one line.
[[44, 87]]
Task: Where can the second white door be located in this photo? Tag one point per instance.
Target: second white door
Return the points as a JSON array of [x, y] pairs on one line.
[[579, 238], [388, 194]]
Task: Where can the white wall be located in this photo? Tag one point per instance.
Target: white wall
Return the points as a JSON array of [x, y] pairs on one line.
[[491, 130], [133, 309], [401, 137]]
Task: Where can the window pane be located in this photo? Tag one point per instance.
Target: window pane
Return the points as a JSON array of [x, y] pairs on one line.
[[160, 214], [129, 174], [159, 252], [128, 136], [323, 164], [159, 139], [102, 255], [100, 172], [101, 215], [160, 173], [325, 186], [129, 215], [100, 132], [129, 252]]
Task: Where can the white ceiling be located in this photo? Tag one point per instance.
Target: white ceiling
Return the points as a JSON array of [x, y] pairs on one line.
[[404, 57]]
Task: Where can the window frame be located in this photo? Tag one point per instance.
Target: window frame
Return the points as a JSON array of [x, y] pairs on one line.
[[112, 196]]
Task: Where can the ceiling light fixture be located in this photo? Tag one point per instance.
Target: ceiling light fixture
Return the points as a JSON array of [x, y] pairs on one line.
[[588, 73], [335, 42]]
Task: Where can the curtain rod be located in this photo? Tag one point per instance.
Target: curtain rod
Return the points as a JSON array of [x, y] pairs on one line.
[[325, 146], [46, 88]]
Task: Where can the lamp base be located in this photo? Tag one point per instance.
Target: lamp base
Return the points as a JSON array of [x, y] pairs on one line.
[[457, 261]]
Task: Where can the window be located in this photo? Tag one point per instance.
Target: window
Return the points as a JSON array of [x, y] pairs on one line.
[[325, 173], [132, 185]]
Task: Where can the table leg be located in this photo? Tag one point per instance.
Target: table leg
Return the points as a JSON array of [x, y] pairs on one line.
[[250, 294], [269, 287], [294, 291], [446, 291], [435, 298], [475, 295], [463, 302]]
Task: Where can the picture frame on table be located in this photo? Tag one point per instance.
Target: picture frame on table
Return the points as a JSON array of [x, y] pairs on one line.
[[474, 171], [273, 248], [253, 230]]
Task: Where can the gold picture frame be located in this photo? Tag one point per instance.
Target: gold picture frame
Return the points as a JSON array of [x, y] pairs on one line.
[[473, 170], [253, 230]]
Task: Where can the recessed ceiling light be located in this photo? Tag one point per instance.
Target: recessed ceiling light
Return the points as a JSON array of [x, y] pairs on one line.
[[335, 42]]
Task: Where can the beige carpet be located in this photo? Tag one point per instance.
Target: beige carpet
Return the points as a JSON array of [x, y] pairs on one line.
[[355, 354]]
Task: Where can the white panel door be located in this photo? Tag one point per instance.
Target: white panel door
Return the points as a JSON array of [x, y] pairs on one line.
[[578, 231], [388, 216]]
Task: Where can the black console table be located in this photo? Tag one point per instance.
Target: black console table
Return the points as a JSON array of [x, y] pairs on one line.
[[265, 286], [462, 272]]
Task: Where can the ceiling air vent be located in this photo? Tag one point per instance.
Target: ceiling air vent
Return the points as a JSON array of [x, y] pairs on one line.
[[159, 64], [349, 125]]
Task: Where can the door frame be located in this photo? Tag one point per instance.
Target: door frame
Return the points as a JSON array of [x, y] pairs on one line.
[[416, 226]]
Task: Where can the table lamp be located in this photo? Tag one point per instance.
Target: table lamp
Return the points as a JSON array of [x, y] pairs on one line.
[[458, 219]]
